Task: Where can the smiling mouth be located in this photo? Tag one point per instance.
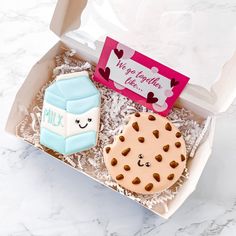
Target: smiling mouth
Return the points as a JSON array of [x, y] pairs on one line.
[[139, 163], [82, 127]]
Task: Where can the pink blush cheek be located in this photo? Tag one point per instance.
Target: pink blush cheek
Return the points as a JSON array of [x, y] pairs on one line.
[[168, 93]]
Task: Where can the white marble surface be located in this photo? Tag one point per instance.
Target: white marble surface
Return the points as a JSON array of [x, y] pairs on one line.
[[41, 196]]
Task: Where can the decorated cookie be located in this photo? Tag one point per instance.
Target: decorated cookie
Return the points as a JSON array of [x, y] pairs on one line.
[[149, 156], [70, 116]]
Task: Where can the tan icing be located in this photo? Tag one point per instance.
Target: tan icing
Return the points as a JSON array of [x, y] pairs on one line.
[[150, 149]]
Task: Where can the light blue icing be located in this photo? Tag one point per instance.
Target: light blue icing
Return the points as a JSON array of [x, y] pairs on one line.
[[75, 95], [76, 88], [66, 146], [81, 142], [52, 140], [54, 97], [82, 105]]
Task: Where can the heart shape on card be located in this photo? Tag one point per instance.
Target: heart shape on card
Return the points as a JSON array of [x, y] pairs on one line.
[[151, 98], [105, 73], [119, 53], [173, 83], [127, 52]]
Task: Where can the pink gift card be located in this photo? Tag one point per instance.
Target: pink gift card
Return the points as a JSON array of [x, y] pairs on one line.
[[139, 77]]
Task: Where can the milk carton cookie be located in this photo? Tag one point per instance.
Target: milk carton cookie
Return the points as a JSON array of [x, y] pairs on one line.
[[149, 156], [71, 114]]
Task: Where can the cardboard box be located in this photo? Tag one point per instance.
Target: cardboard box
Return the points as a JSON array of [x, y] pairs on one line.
[[67, 18]]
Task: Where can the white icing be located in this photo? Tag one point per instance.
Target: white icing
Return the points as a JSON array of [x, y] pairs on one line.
[[74, 128], [64, 123], [72, 75], [47, 120]]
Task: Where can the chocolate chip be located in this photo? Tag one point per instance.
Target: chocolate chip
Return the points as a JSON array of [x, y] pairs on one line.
[[151, 117], [135, 126], [182, 157], [171, 176], [113, 161], [108, 149], [149, 187], [141, 139], [158, 157], [136, 181], [126, 151], [156, 133], [120, 177], [166, 148], [178, 144], [137, 114], [122, 138], [156, 176], [174, 164], [178, 135], [126, 167], [168, 127]]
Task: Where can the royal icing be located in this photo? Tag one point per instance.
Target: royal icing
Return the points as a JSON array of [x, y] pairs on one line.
[[70, 115], [149, 156]]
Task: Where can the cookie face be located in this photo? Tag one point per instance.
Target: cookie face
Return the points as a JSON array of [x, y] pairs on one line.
[[149, 156]]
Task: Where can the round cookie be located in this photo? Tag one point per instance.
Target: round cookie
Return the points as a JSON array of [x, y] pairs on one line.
[[149, 156]]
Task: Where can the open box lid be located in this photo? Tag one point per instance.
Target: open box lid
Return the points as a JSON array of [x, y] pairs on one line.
[[197, 39]]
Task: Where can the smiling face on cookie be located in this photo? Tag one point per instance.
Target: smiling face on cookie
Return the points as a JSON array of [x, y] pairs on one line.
[[149, 156], [83, 124]]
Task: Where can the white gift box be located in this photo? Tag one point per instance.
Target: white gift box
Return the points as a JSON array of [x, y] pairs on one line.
[[162, 31]]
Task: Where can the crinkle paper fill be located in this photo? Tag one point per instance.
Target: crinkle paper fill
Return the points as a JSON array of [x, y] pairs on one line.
[[114, 110]]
